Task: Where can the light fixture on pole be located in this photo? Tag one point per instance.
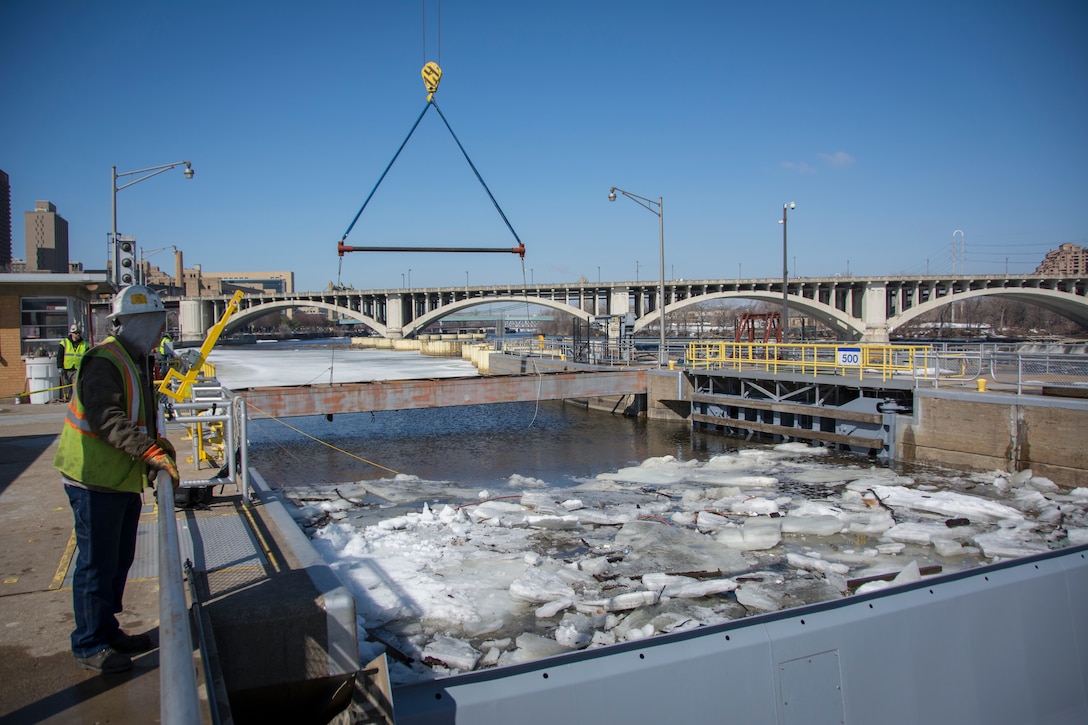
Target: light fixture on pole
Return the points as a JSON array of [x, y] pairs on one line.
[[649, 204], [123, 253], [785, 275], [146, 254], [963, 252]]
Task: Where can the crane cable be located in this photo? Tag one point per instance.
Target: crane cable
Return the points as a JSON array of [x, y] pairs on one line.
[[432, 75], [423, 19], [431, 102], [324, 443]]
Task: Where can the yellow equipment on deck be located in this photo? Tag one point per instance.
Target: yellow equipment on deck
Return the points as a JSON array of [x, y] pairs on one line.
[[181, 391]]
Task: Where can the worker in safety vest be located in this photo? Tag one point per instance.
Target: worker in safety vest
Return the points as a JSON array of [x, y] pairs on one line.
[[163, 354], [69, 354], [107, 449]]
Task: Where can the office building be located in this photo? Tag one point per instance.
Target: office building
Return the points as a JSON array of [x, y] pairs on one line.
[[5, 222], [46, 239]]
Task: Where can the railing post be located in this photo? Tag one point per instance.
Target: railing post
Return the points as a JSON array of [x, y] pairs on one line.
[[243, 439]]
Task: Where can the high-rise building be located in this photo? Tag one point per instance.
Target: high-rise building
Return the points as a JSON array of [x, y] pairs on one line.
[[46, 239], [1067, 259], [5, 222]]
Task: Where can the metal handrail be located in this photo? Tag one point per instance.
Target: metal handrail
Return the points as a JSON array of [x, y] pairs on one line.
[[1063, 370], [853, 359], [236, 432], [179, 702], [949, 366]]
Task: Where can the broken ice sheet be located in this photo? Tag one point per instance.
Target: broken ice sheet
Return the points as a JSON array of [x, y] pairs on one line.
[[947, 503], [544, 569], [454, 653]]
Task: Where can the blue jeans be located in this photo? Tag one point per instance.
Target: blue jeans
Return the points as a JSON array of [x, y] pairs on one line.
[[105, 526]]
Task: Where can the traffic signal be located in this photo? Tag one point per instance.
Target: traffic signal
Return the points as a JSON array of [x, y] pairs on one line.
[[126, 261]]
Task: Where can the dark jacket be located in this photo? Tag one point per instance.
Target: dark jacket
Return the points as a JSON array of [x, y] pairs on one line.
[[101, 390]]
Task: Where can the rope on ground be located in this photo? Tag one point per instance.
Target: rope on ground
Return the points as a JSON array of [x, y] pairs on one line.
[[324, 443]]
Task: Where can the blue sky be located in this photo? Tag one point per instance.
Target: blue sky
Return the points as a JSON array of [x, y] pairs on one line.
[[891, 125]]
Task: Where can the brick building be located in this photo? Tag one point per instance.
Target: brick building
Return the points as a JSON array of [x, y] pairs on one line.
[[1068, 259], [36, 311]]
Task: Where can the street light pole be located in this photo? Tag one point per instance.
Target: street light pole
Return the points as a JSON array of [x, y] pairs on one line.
[[114, 188], [785, 275], [649, 204]]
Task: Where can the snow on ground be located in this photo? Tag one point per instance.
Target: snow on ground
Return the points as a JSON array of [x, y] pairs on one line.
[[476, 579], [284, 364]]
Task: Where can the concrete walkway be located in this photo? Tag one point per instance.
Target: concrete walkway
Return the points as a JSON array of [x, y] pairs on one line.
[[39, 679]]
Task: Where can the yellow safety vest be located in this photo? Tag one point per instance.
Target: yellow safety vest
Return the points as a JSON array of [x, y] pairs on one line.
[[82, 455], [73, 353]]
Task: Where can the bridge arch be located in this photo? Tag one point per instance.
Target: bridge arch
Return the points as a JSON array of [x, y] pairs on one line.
[[412, 328], [244, 316], [1061, 303], [840, 322]]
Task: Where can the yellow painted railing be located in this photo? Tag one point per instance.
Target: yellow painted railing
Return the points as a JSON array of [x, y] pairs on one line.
[[845, 359]]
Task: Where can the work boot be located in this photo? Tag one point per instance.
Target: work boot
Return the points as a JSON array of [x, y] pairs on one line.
[[106, 660], [131, 644]]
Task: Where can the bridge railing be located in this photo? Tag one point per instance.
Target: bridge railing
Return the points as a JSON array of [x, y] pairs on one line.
[[925, 365], [849, 359], [547, 348], [1049, 370], [949, 366]]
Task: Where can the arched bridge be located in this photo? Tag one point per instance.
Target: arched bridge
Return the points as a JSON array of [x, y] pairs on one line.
[[855, 308]]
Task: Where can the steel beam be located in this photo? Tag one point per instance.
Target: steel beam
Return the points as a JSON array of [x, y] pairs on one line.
[[281, 402]]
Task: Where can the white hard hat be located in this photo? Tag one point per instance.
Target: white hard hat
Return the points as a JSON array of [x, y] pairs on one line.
[[135, 300], [74, 328]]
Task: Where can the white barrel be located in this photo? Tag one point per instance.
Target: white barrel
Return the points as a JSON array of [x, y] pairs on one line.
[[41, 376]]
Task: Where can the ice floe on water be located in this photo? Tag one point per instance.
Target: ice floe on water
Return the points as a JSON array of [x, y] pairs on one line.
[[448, 578]]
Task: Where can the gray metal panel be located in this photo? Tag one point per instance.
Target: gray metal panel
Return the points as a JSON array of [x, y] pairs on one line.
[[146, 563], [339, 605], [211, 543], [218, 542], [811, 690], [723, 677], [1000, 644]]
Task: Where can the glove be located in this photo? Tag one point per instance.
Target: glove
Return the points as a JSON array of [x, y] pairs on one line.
[[167, 447], [160, 460]]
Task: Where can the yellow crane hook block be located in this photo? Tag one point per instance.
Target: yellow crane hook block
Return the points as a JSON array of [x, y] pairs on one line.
[[432, 75], [186, 381]]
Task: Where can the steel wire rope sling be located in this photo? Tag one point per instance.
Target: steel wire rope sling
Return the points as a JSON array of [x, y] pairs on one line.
[[432, 75]]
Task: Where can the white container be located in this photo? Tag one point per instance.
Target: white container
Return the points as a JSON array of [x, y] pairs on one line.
[[41, 376]]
